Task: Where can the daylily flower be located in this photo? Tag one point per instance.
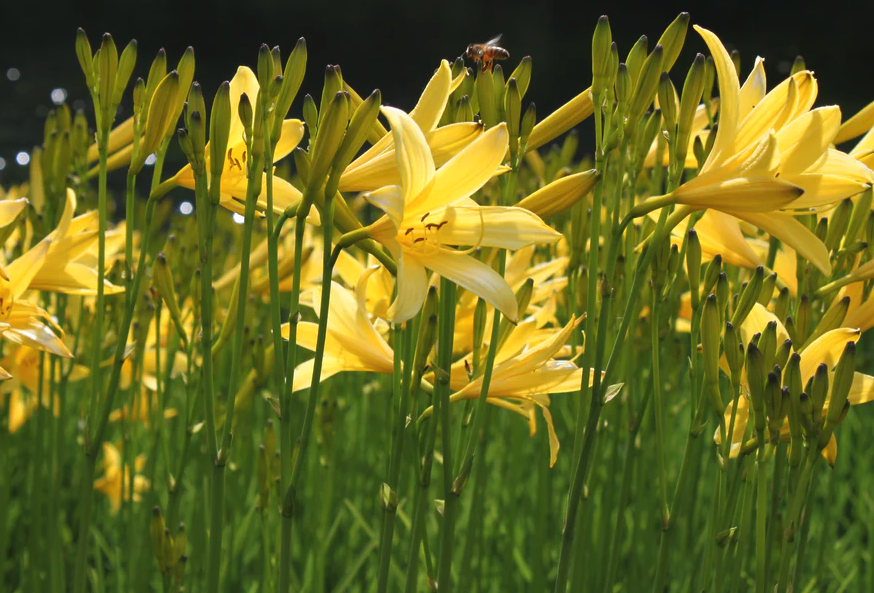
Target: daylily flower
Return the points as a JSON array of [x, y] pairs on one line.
[[234, 176], [826, 349], [377, 167], [115, 479], [429, 214], [771, 153], [352, 342]]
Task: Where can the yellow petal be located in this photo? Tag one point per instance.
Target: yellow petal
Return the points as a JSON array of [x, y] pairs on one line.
[[414, 161], [23, 269], [10, 209], [729, 90], [292, 132], [756, 322], [430, 107], [862, 389], [465, 173], [447, 141], [790, 231], [303, 373], [412, 285], [753, 89], [561, 120], [830, 452], [120, 136], [832, 178], [244, 81], [826, 349], [476, 277], [857, 125], [803, 141], [389, 199]]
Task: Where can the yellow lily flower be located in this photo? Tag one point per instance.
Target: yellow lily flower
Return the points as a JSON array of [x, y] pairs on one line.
[[234, 176], [771, 153], [826, 349], [352, 343], [377, 167], [431, 210], [115, 479]]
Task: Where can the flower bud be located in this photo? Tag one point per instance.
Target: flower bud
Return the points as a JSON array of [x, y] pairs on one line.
[[84, 53], [781, 306], [837, 227], [860, 213], [331, 132], [529, 119], [292, 77], [158, 122], [645, 90], [842, 380], [561, 195], [359, 127], [636, 56], [107, 68], [263, 478], [748, 297], [722, 293], [710, 325], [602, 41], [672, 40], [809, 422], [623, 85], [485, 93], [768, 344], [311, 116], [693, 87], [157, 73], [802, 320], [819, 390], [797, 66], [668, 103], [427, 330], [756, 379], [169, 558], [180, 542], [512, 115], [767, 290], [831, 319], [774, 406], [711, 274], [821, 230], [126, 64], [693, 265], [156, 532]]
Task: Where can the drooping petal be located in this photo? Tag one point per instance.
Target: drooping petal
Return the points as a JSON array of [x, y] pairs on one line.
[[756, 322], [244, 81], [476, 277], [24, 268], [790, 231], [826, 349], [292, 132], [10, 209], [414, 161], [804, 140], [412, 285], [303, 373]]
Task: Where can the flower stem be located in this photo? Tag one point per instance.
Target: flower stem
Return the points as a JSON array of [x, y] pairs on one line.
[[761, 519], [798, 499], [446, 321]]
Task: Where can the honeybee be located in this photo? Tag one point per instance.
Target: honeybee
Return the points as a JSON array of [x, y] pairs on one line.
[[487, 52]]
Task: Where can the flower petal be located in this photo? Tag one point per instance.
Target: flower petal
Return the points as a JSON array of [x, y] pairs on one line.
[[729, 91], [476, 277], [804, 140], [292, 132], [826, 349], [431, 104], [412, 285], [414, 161], [389, 199], [862, 389], [753, 89], [494, 226], [790, 231], [757, 193], [466, 172], [244, 81]]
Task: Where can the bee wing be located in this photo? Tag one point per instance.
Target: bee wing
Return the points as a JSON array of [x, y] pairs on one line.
[[494, 41]]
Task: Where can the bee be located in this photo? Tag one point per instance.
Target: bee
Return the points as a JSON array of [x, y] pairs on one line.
[[487, 52]]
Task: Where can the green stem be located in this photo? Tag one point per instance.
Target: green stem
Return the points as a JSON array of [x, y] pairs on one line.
[[446, 320], [658, 410], [761, 518], [798, 499], [746, 525]]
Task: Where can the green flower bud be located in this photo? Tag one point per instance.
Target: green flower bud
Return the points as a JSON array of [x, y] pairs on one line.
[[522, 74], [841, 383], [156, 532], [693, 87], [263, 478], [333, 85], [84, 53], [840, 221], [126, 64], [784, 351], [185, 69], [861, 210], [479, 331], [645, 90], [748, 297], [808, 416], [819, 390], [485, 93], [162, 281], [781, 306], [529, 119], [602, 41], [710, 326], [831, 319], [512, 114], [265, 69], [107, 68], [802, 320], [693, 265], [623, 86], [768, 344], [359, 127], [139, 97], [673, 38], [756, 379], [219, 131], [302, 164], [246, 114], [774, 406], [734, 350], [292, 77], [767, 290], [793, 383], [332, 129], [650, 131], [668, 103], [311, 116], [722, 292], [711, 274], [180, 542], [169, 558], [821, 230], [709, 79], [159, 121], [636, 57]]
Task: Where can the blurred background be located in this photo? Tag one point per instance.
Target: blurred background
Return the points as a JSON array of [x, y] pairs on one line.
[[395, 45]]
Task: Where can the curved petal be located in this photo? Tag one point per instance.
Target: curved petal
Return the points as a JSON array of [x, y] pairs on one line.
[[414, 161], [753, 89], [756, 321], [476, 277], [803, 141], [412, 285], [25, 268], [447, 141], [862, 389], [389, 199], [303, 373], [431, 104], [466, 172], [10, 209], [244, 81], [859, 124], [826, 349], [292, 132], [729, 90], [790, 231]]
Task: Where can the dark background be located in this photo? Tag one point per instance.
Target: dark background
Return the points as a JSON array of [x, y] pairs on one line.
[[395, 45]]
